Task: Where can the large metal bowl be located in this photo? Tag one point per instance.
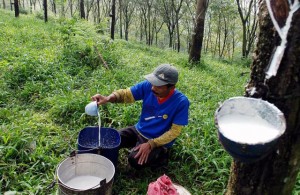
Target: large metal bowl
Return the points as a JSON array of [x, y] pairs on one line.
[[85, 174]]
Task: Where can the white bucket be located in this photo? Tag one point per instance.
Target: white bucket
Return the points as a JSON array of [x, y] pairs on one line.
[[85, 174]]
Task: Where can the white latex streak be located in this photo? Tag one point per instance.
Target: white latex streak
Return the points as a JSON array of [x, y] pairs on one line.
[[253, 90], [99, 134], [283, 32]]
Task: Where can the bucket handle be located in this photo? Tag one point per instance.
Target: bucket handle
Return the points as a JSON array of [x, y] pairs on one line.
[[74, 152]]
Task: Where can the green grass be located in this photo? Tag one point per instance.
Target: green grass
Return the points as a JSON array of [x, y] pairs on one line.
[[48, 72]]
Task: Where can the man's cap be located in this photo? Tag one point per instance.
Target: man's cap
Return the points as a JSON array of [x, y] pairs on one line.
[[164, 74]]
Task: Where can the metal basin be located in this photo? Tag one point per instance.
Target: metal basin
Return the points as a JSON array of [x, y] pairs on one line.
[[85, 174]]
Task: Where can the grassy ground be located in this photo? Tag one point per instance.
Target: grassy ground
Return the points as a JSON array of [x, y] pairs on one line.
[[48, 72]]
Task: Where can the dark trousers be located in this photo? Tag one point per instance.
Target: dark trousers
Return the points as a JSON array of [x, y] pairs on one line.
[[130, 138]]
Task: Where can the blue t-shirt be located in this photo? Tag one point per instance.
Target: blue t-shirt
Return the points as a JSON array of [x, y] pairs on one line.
[[157, 118]]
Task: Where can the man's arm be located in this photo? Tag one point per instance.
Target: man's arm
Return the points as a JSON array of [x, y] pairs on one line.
[[167, 137], [123, 96], [118, 96]]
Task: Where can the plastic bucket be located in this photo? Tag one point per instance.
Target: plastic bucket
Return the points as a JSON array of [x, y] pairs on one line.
[[88, 142], [85, 174], [249, 128]]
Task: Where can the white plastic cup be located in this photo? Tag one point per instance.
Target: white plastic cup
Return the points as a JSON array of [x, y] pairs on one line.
[[92, 109]]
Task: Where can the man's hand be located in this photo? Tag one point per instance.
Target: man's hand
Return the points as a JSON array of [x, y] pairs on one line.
[[100, 99], [143, 152]]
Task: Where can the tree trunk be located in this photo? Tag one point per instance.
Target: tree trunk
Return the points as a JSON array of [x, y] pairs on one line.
[[141, 27], [277, 172], [45, 10], [197, 39], [171, 33], [233, 45], [82, 13], [208, 35], [53, 6], [71, 7], [121, 19], [62, 10], [126, 31], [98, 11], [89, 6], [249, 26], [128, 11], [177, 33], [177, 17], [148, 21], [113, 20], [168, 15], [225, 32], [17, 10]]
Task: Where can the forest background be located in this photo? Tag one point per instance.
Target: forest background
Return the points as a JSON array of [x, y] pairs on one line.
[[229, 34]]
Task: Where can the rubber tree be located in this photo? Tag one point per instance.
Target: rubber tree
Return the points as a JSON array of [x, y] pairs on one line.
[[17, 10], [248, 12], [82, 12], [113, 19], [277, 172], [45, 5], [128, 9], [197, 38], [3, 3]]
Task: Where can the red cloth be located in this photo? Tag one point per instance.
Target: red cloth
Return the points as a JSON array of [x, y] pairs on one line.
[[162, 186]]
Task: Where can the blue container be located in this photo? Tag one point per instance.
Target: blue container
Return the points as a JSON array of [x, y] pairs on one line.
[[88, 142]]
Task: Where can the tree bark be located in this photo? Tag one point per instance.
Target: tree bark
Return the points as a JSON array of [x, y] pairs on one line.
[[71, 7], [82, 13], [89, 7], [208, 35], [113, 20], [177, 18], [98, 11], [169, 18], [197, 39], [121, 19], [17, 10], [45, 10], [249, 27], [277, 172], [128, 10]]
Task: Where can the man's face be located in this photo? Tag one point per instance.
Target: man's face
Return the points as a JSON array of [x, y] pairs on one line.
[[161, 91]]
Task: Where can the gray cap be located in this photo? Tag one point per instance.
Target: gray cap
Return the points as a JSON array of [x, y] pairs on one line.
[[164, 74]]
